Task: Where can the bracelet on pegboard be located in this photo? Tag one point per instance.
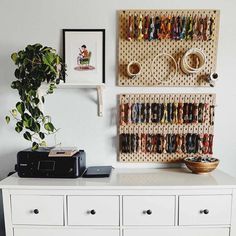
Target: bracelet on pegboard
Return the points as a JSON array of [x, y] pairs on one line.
[[166, 113], [190, 143], [149, 28]]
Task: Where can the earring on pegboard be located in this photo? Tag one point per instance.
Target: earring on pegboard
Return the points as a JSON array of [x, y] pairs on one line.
[[136, 26], [151, 29], [189, 30], [139, 142], [122, 114], [157, 27], [169, 112], [129, 107], [164, 117], [180, 113], [143, 142], [205, 27], [185, 111], [130, 28], [139, 107], [195, 27], [175, 112], [143, 111], [195, 111], [211, 137], [200, 110], [211, 28], [206, 110], [134, 113], [146, 28], [190, 112], [184, 145], [140, 28], [205, 142], [148, 110], [179, 142], [212, 114], [164, 140]]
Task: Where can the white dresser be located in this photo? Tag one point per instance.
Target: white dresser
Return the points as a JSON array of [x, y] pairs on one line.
[[132, 202]]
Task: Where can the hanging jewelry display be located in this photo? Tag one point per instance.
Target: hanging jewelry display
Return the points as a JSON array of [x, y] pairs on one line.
[[173, 47], [165, 127]]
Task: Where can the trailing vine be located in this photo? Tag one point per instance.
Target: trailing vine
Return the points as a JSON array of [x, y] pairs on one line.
[[36, 65]]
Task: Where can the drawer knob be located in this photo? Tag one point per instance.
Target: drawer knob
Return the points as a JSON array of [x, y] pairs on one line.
[[148, 212], [205, 211], [92, 212], [36, 211]]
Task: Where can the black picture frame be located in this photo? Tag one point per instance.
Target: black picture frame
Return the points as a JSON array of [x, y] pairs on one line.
[[67, 39]]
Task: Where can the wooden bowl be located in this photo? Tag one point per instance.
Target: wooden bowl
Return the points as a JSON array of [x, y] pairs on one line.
[[201, 167]]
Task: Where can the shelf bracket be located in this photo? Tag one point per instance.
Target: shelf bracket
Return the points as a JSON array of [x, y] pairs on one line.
[[100, 100]]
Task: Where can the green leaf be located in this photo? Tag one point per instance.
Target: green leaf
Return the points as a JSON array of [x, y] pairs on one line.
[[25, 117], [32, 93], [27, 121], [52, 86], [16, 85], [20, 124], [36, 112], [18, 129], [14, 113], [20, 107], [17, 73], [49, 127], [27, 136], [35, 146], [35, 127], [8, 119], [14, 56], [48, 58], [41, 135], [57, 60], [43, 144], [36, 101]]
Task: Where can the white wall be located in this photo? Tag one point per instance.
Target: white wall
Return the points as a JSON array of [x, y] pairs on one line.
[[75, 111]]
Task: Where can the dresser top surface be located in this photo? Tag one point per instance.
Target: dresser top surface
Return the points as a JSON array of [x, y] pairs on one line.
[[129, 179]]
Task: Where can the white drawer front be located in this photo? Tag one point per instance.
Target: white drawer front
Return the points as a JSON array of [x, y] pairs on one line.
[[204, 210], [37, 210], [93, 210], [149, 210], [65, 232], [177, 232]]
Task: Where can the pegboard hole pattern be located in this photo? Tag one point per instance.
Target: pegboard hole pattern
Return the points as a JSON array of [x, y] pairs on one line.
[[144, 52], [148, 128]]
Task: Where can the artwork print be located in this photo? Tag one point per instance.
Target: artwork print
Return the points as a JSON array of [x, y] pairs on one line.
[[84, 56], [83, 59]]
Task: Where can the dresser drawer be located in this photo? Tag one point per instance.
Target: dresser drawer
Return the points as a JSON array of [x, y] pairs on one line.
[[65, 232], [177, 232], [93, 210], [149, 210], [37, 210], [205, 210]]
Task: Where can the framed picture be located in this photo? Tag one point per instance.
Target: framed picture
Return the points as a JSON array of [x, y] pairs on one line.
[[84, 55]]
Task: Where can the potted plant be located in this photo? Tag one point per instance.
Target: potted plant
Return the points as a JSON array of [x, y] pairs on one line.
[[36, 65]]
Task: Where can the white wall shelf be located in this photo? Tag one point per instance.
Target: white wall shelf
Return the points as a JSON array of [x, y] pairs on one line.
[[98, 87]]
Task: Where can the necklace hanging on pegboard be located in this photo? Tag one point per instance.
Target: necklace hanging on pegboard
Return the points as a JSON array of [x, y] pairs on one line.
[[171, 47]]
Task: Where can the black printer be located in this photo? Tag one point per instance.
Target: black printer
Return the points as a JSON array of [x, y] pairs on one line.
[[38, 164]]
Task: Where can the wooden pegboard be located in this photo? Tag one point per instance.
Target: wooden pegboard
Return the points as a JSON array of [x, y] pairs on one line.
[[206, 127], [145, 51]]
